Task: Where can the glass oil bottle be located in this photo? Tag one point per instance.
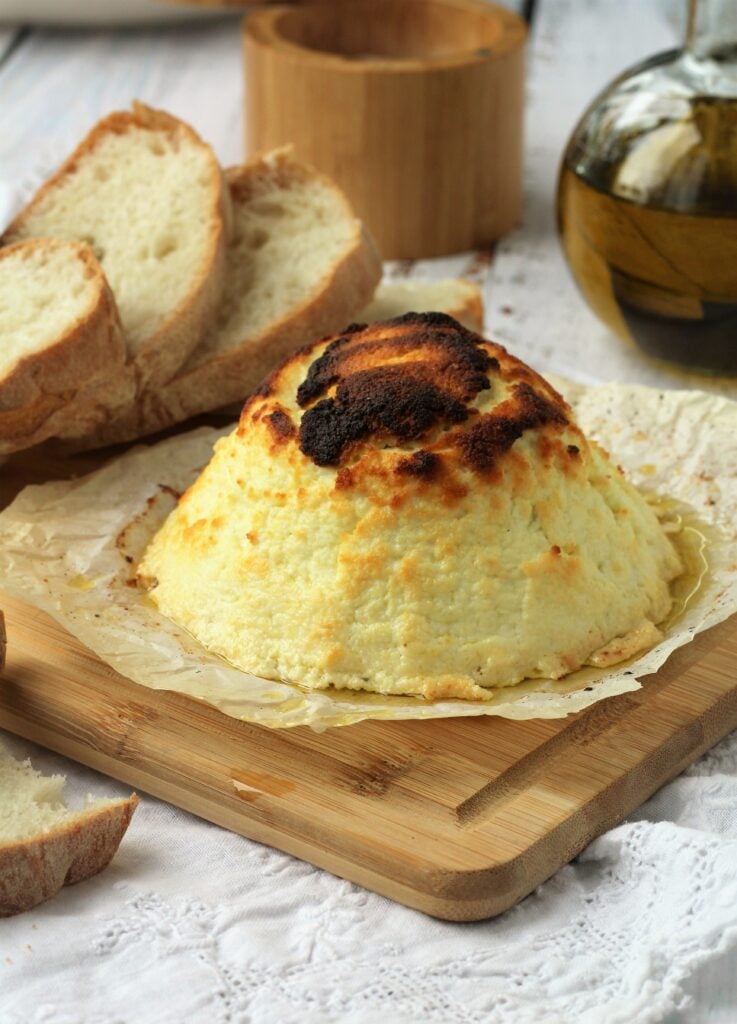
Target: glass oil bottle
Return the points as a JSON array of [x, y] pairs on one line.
[[647, 198]]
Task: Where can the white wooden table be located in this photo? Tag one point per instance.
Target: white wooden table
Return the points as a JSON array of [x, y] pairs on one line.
[[54, 83]]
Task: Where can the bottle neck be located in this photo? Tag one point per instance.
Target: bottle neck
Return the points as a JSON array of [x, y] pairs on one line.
[[712, 30]]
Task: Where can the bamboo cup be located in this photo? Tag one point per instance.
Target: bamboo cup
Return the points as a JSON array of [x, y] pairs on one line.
[[414, 107]]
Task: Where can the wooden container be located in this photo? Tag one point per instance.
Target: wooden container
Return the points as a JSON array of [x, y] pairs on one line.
[[414, 107]]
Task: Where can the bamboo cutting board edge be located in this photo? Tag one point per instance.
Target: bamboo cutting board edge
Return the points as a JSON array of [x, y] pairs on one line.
[[459, 866]]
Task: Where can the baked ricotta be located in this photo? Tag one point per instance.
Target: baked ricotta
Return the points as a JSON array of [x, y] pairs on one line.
[[407, 508]]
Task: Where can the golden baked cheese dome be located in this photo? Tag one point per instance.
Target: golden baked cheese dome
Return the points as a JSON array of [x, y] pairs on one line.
[[407, 508]]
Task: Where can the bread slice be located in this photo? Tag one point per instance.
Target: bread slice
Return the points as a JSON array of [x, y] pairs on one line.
[[455, 296], [44, 845], [300, 266], [149, 197], [62, 353]]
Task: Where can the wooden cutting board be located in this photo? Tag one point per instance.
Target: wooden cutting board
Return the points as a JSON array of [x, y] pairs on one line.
[[459, 818]]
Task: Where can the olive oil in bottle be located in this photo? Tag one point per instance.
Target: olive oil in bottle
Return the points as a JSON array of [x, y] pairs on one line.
[[647, 200]]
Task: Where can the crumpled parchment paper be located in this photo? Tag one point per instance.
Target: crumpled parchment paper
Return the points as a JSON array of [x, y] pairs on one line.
[[71, 549]]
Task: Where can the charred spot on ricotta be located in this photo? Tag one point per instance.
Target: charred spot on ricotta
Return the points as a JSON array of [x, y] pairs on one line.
[[411, 379]]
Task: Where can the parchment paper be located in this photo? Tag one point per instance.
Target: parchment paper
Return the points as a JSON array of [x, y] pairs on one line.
[[71, 549]]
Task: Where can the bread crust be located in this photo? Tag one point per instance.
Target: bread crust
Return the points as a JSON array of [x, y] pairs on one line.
[[467, 310], [34, 870], [231, 375], [180, 332], [470, 312], [51, 390]]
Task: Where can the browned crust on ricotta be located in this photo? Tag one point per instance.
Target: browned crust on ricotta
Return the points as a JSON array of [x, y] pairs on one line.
[[411, 381], [494, 434]]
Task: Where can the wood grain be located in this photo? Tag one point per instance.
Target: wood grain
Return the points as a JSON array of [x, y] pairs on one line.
[[414, 107], [459, 818]]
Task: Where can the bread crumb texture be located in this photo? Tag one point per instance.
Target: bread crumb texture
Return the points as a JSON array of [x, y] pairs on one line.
[[43, 844], [139, 190], [409, 509], [290, 227], [458, 297], [41, 287]]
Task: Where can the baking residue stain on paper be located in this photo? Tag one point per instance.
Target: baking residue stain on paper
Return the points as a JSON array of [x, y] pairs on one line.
[[81, 583]]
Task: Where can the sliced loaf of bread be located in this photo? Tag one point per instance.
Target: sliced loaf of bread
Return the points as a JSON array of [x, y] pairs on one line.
[[455, 296], [62, 353], [300, 266], [43, 844], [149, 197]]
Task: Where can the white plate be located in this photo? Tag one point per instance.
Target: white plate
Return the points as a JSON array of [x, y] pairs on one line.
[[97, 12]]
